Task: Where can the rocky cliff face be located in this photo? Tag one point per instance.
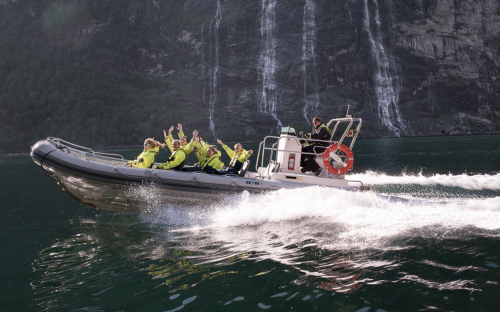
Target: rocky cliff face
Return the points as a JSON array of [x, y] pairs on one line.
[[239, 69], [460, 43]]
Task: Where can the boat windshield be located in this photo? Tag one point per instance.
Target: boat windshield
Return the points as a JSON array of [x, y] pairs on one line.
[[288, 130]]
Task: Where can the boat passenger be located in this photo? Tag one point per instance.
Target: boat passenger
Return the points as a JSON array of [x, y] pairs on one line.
[[147, 158], [176, 160], [187, 147], [201, 146], [205, 157], [212, 162], [321, 132], [200, 152], [238, 156], [216, 150]]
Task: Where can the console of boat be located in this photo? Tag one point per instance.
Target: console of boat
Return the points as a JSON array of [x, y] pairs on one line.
[[87, 174]]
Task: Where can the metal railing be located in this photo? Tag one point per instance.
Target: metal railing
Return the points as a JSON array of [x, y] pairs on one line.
[[274, 150], [85, 151], [350, 120], [348, 132]]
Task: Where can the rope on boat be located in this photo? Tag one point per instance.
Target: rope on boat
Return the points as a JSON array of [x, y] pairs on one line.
[[205, 185], [41, 160], [125, 175], [114, 168], [194, 179], [234, 183]]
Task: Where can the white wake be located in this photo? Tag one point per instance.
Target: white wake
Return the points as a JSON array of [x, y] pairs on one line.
[[469, 182], [338, 218]]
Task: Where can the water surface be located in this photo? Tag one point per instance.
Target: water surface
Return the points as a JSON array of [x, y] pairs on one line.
[[425, 238]]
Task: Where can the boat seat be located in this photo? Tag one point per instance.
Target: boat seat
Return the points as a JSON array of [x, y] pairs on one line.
[[188, 168], [153, 163], [244, 168], [319, 150], [178, 168], [181, 166]]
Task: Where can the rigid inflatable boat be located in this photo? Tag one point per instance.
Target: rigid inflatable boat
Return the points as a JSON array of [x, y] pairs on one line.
[[97, 179]]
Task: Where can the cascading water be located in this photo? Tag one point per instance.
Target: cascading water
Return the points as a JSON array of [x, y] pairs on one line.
[[351, 20], [387, 86], [203, 70], [268, 63], [310, 75], [214, 65]]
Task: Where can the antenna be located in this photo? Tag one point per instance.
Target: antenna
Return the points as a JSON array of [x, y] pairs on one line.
[[347, 114]]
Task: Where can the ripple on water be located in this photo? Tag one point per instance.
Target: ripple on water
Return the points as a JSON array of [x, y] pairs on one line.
[[296, 253]]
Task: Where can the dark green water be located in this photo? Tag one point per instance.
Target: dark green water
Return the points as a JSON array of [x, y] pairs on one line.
[[426, 238]]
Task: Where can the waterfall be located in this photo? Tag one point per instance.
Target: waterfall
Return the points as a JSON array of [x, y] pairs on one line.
[[268, 64], [387, 86], [351, 20], [214, 66], [203, 63], [310, 75]]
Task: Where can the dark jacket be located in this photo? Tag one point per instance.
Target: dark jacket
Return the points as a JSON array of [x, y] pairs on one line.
[[321, 132]]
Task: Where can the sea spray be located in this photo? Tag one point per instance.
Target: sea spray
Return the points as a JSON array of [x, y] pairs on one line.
[[156, 206], [469, 182], [354, 219], [347, 232], [359, 219]]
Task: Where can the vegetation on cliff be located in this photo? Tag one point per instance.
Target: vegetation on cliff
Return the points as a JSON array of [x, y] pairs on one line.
[[108, 73]]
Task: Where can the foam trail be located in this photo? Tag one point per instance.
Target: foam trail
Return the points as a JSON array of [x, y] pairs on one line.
[[340, 206], [330, 218], [464, 181], [356, 218]]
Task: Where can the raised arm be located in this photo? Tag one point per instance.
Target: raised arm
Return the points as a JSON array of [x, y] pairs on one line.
[[169, 139], [228, 150], [181, 133], [247, 154], [192, 143]]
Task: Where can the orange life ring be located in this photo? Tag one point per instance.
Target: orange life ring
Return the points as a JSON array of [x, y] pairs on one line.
[[348, 154]]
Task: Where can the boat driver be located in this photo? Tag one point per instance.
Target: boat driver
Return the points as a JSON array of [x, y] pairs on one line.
[[321, 132]]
